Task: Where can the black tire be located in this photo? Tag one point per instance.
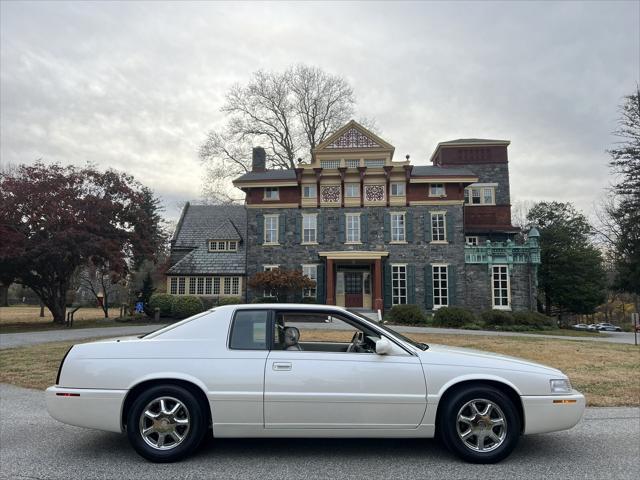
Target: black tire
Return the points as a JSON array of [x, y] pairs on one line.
[[192, 434], [448, 425]]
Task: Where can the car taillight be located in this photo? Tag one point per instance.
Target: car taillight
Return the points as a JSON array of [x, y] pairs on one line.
[[60, 367]]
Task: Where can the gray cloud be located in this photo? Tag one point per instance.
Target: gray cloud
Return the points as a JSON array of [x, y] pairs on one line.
[[136, 86]]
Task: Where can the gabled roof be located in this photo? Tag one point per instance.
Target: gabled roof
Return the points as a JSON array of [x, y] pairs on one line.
[[353, 136], [201, 223], [225, 231]]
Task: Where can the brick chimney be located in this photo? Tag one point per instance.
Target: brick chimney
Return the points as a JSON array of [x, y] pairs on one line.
[[258, 160]]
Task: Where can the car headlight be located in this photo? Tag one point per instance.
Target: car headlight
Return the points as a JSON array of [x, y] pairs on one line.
[[561, 385]]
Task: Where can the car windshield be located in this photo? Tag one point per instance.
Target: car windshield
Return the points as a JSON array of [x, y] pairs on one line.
[[421, 346]]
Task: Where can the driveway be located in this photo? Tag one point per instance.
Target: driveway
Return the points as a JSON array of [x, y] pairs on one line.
[[10, 340], [606, 444]]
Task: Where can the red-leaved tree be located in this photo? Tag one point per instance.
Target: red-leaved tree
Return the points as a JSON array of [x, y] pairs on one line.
[[54, 219]]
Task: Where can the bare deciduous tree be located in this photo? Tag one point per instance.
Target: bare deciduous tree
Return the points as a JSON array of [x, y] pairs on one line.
[[99, 281], [288, 113]]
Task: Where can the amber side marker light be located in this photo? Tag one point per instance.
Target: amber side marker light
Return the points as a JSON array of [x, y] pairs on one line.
[[564, 401], [68, 394]]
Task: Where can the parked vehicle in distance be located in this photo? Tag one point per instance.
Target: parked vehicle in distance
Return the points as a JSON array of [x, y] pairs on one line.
[[592, 327], [608, 327], [580, 326], [278, 370]]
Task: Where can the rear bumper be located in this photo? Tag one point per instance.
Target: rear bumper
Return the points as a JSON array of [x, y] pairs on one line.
[[551, 413], [84, 407]]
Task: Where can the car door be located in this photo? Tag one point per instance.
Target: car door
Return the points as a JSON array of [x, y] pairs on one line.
[[343, 390]]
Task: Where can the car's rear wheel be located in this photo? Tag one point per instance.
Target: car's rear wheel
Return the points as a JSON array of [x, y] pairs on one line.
[[480, 424], [166, 423]]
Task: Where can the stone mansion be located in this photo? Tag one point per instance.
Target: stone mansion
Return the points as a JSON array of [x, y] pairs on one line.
[[371, 231]]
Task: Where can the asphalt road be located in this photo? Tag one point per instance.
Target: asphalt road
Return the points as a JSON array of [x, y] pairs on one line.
[[11, 340], [605, 445]]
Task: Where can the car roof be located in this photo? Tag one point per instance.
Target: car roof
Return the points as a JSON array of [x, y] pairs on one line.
[[281, 306]]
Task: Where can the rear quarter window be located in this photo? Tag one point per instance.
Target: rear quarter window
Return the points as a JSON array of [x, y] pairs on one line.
[[249, 330]]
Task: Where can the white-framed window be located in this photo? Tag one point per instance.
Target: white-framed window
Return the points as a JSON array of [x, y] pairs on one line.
[[271, 229], [440, 286], [268, 268], [310, 271], [199, 285], [352, 163], [271, 193], [438, 227], [500, 288], [223, 246], [398, 189], [352, 190], [352, 227], [181, 285], [309, 190], [398, 233], [216, 286], [398, 284], [235, 285], [480, 195], [226, 286], [207, 285], [309, 228], [192, 285], [437, 190], [472, 241], [173, 289]]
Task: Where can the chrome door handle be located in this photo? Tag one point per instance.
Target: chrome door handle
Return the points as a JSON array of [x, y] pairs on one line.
[[281, 366]]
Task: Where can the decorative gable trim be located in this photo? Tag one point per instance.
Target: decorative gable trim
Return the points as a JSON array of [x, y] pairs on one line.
[[353, 136]]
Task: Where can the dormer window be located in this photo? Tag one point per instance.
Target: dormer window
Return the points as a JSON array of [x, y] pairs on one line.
[[437, 190], [223, 245], [271, 193]]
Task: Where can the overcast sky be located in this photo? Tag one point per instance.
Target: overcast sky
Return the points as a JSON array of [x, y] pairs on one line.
[[137, 86]]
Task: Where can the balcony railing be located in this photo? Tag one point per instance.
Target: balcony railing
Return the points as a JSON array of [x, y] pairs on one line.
[[503, 252]]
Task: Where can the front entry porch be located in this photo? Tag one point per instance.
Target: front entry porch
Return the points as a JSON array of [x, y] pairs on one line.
[[354, 279]]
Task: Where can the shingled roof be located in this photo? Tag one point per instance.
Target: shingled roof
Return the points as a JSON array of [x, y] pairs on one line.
[[200, 223], [433, 171], [268, 175]]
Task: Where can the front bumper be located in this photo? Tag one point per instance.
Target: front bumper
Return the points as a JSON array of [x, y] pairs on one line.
[[85, 407], [551, 413]]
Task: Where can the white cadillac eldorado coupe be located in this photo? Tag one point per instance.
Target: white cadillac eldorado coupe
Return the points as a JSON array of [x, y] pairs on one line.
[[279, 370]]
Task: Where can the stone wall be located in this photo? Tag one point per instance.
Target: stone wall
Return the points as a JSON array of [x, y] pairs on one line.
[[478, 287], [494, 173], [418, 252]]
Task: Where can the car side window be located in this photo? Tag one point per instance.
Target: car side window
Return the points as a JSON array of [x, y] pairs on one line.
[[249, 330]]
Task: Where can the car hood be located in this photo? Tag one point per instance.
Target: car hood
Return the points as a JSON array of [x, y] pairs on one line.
[[445, 355]]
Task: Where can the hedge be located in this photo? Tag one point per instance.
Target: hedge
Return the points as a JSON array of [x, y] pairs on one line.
[[453, 317], [406, 314], [186, 306], [497, 318], [163, 301]]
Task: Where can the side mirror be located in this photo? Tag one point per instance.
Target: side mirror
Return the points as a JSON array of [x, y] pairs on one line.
[[383, 346]]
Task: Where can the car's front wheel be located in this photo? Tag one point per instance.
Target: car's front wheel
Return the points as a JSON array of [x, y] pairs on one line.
[[166, 423], [480, 424]]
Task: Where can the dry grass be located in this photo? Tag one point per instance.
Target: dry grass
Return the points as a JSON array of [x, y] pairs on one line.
[[35, 366], [606, 373], [27, 319]]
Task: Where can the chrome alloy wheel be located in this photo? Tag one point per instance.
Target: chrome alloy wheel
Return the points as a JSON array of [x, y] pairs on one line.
[[164, 423], [481, 425]]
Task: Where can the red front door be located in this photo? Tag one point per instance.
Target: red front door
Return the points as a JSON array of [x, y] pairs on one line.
[[353, 289]]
